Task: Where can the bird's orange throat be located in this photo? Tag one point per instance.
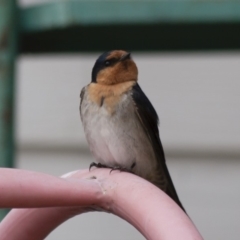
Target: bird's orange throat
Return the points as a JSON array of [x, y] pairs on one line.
[[121, 72], [108, 94]]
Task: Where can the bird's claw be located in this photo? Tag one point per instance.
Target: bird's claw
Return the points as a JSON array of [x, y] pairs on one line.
[[121, 169], [97, 165], [100, 165]]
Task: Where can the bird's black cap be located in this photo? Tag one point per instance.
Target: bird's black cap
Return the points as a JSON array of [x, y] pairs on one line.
[[99, 65]]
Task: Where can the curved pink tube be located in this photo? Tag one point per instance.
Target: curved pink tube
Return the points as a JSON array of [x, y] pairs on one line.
[[26, 189], [139, 202]]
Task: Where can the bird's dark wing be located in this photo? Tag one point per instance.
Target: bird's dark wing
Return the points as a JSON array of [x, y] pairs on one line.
[[149, 120], [81, 99]]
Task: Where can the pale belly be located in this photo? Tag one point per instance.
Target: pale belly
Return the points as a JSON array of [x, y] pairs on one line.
[[117, 139]]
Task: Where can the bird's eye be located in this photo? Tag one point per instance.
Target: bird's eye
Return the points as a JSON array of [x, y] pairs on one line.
[[107, 63]]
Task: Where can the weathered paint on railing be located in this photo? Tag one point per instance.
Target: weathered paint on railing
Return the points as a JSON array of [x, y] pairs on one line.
[[7, 54], [62, 14]]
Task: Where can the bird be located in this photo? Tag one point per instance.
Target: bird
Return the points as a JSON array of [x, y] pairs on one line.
[[121, 124]]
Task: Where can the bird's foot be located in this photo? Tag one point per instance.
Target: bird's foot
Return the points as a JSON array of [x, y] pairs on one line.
[[121, 169], [97, 165]]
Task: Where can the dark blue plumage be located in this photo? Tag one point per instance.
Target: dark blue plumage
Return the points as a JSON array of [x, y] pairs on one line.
[[149, 120], [99, 65]]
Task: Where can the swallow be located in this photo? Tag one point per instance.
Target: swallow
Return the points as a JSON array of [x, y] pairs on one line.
[[120, 123]]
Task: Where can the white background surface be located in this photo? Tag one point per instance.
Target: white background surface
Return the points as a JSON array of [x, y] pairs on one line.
[[197, 98], [208, 188]]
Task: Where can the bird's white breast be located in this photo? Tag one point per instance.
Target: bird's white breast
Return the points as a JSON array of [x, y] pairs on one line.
[[116, 138]]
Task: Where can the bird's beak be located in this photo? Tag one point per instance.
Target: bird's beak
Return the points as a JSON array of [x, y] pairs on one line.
[[125, 56]]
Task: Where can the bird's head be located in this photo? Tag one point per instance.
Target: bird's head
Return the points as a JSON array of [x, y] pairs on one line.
[[114, 67]]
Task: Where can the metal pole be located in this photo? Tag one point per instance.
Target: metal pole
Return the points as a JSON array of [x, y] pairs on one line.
[[8, 39]]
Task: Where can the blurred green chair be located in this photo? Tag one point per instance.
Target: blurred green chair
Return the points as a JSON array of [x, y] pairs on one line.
[[77, 26]]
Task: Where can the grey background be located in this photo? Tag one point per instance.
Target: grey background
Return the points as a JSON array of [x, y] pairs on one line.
[[197, 97]]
